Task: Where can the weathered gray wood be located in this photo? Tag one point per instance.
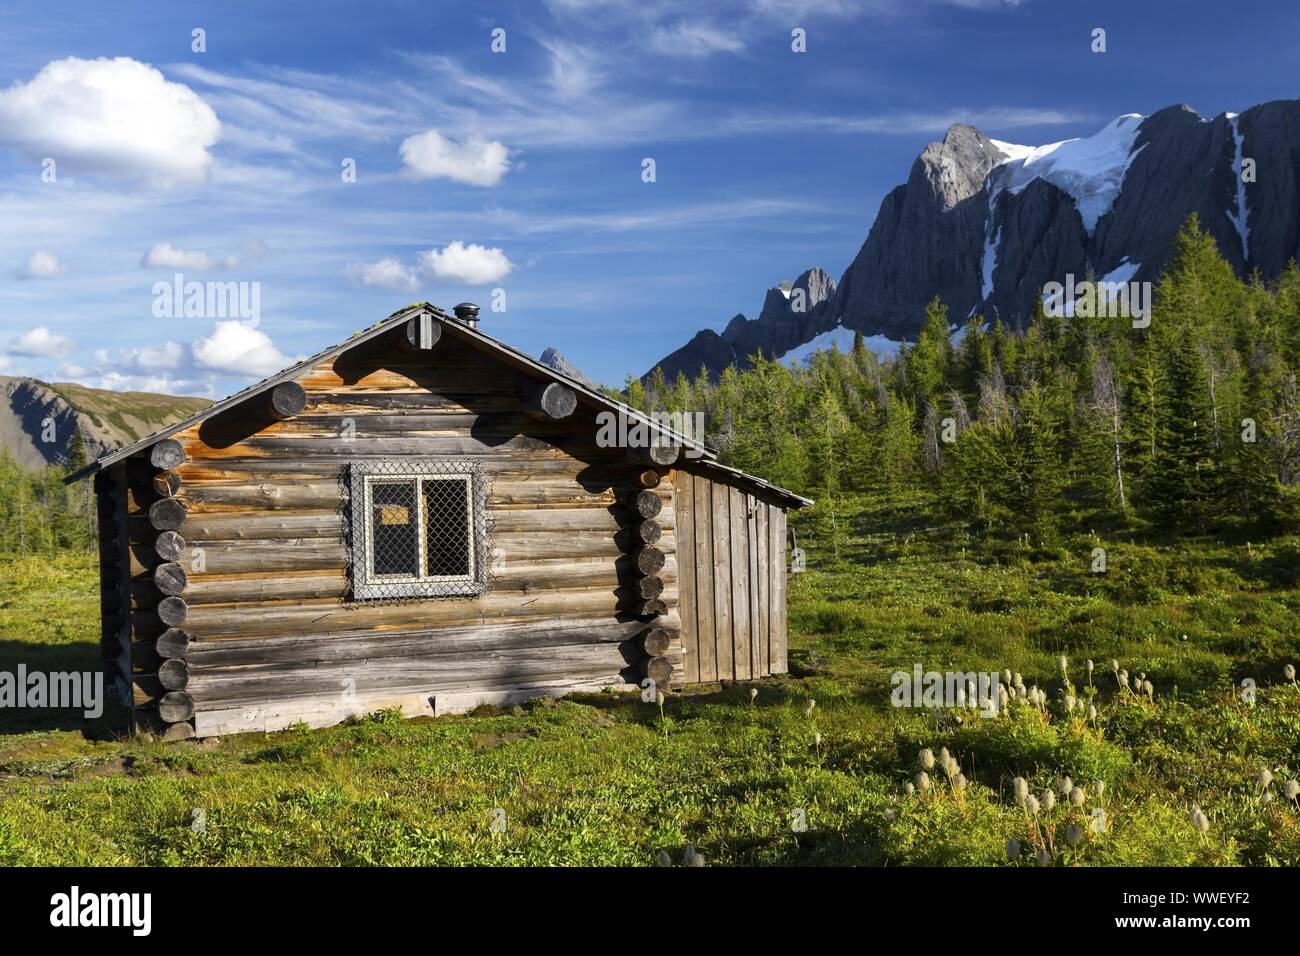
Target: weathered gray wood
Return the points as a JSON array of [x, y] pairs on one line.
[[660, 670], [646, 503], [651, 608], [649, 560], [648, 531], [683, 512], [553, 401], [173, 642], [702, 512], [763, 636], [420, 334], [779, 567], [739, 566], [722, 606], [167, 514], [172, 611], [175, 706], [346, 645], [650, 587], [655, 642], [184, 730], [173, 674], [170, 578], [659, 454], [166, 454], [286, 400], [166, 484], [169, 546]]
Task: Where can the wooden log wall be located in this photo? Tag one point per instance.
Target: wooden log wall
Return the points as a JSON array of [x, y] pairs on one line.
[[732, 563], [239, 579]]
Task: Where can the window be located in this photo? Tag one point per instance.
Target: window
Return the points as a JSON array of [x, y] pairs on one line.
[[418, 529]]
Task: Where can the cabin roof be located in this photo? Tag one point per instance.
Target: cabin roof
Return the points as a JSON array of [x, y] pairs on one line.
[[707, 457]]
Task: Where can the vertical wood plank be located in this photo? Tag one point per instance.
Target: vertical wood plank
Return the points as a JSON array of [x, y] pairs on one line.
[[762, 589], [702, 512], [684, 508], [780, 634], [740, 584], [722, 608]]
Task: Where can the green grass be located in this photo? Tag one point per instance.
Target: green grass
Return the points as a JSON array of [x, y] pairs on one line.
[[601, 779]]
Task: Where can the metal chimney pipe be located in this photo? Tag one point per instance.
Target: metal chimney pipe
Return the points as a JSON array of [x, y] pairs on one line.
[[467, 312]]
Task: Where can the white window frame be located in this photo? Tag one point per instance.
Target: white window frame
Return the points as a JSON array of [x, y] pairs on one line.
[[366, 583]]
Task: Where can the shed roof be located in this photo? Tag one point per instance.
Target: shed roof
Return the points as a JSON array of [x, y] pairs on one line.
[[707, 458]]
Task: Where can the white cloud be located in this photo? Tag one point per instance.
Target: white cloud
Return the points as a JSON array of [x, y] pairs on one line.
[[4, 362], [472, 264], [239, 349], [479, 162], [44, 264], [40, 342], [385, 274], [695, 40], [116, 116], [164, 255], [169, 356]]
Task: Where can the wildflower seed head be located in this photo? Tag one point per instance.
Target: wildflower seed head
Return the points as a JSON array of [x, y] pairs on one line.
[[1292, 789], [1267, 798], [1289, 672], [1020, 786], [1048, 799], [753, 693], [1069, 703], [1077, 796], [1006, 677], [959, 781], [808, 707], [1043, 858], [1074, 835], [908, 789], [1199, 820], [1099, 787], [927, 759], [1013, 849], [1031, 804], [1064, 665], [1114, 666], [1064, 785], [1088, 664], [1092, 711], [1265, 778], [923, 781]]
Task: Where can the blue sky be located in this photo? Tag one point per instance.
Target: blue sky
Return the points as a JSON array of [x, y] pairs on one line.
[[521, 170]]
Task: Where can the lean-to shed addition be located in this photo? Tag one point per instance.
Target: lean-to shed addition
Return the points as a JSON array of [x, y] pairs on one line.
[[422, 517]]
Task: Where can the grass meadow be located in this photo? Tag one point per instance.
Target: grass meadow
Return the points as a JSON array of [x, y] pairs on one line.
[[814, 768]]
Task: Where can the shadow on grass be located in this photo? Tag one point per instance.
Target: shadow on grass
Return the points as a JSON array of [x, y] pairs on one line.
[[79, 658]]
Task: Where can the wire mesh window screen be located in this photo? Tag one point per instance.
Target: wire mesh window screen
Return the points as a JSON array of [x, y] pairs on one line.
[[418, 529]]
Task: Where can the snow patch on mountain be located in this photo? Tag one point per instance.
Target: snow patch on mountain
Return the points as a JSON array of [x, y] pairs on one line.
[[1239, 220], [1090, 169], [841, 339]]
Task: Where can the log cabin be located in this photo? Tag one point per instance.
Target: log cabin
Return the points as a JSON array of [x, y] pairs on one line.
[[424, 518]]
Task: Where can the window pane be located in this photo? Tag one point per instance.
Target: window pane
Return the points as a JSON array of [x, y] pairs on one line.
[[447, 539], [394, 534]]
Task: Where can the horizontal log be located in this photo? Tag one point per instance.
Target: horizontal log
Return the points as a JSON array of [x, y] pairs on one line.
[[167, 514], [651, 608], [655, 642], [169, 546], [286, 400], [651, 586], [659, 670], [170, 578], [649, 560], [173, 642], [173, 674], [166, 483], [166, 454], [658, 454], [553, 401], [646, 503], [175, 706], [470, 670], [214, 622], [208, 657], [419, 334], [172, 611], [184, 730]]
